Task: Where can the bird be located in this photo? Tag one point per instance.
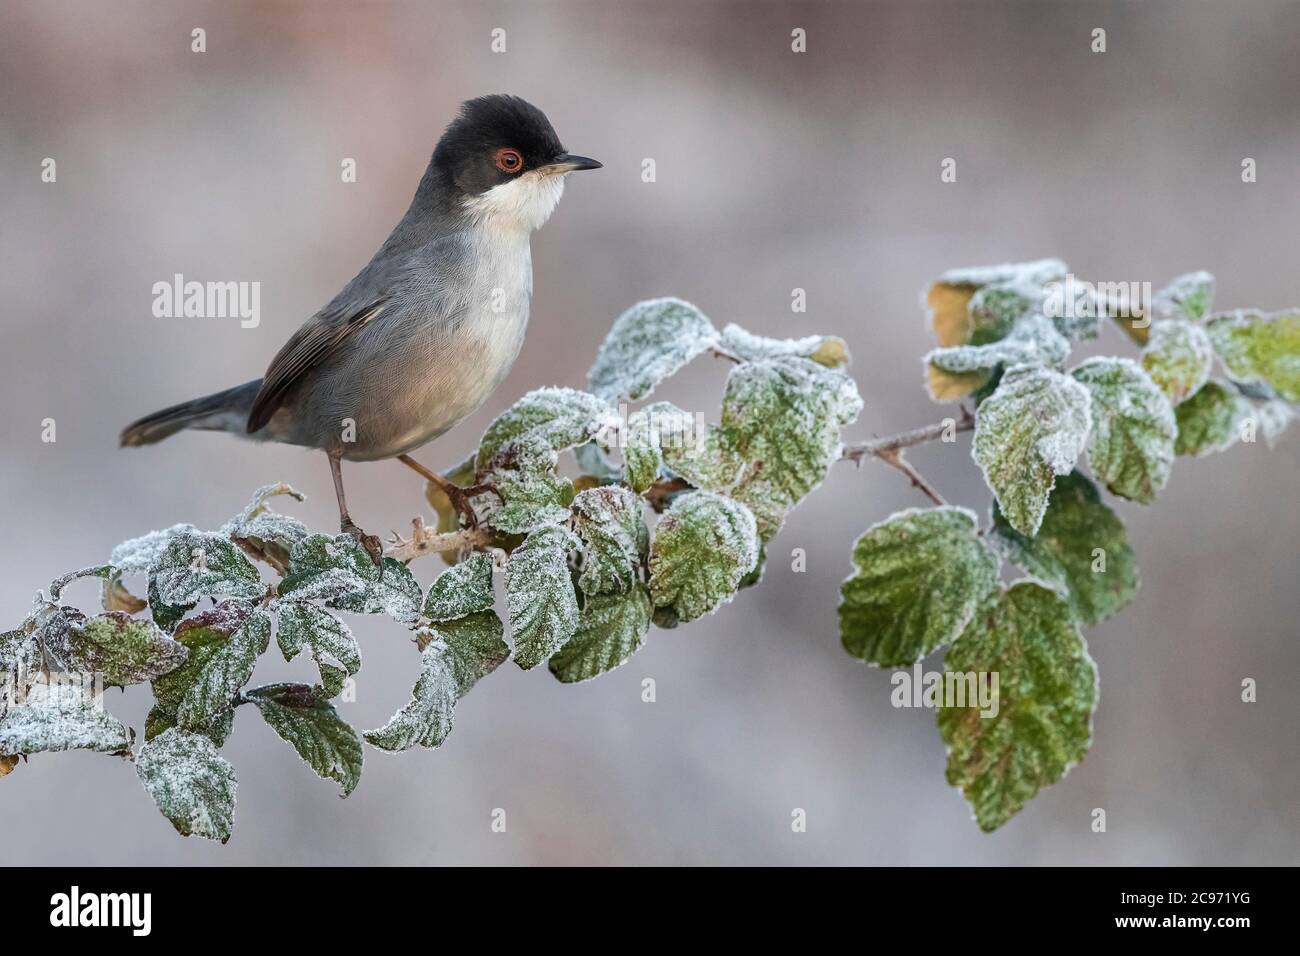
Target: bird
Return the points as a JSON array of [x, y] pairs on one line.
[[427, 330]]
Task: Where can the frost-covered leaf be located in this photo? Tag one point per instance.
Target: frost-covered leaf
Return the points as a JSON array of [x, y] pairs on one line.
[[782, 420], [688, 447], [1273, 418], [949, 299], [703, 547], [610, 523], [611, 628], [1029, 431], [1186, 297], [264, 533], [224, 644], [1047, 689], [190, 782], [523, 473], [593, 460], [641, 445], [1081, 550], [560, 417], [1131, 447], [1178, 357], [102, 571], [198, 564], [1260, 347], [474, 646], [827, 350], [953, 373], [312, 727], [338, 571], [332, 645], [461, 590], [646, 344], [393, 592], [166, 616], [60, 715], [1207, 422], [426, 719], [140, 554], [918, 578], [124, 650], [539, 590]]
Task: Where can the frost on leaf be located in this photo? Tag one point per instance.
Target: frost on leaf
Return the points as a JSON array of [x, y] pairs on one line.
[[827, 350], [474, 646], [312, 727], [523, 472], [641, 453], [611, 628], [952, 373], [1131, 447], [1273, 417], [190, 782], [199, 564], [123, 649], [264, 533], [1047, 689], [60, 715], [224, 644], [918, 578], [1178, 357], [781, 419], [426, 719], [610, 524], [704, 546], [540, 594], [139, 554], [648, 343], [1207, 422], [336, 570], [1186, 297], [461, 590], [1081, 550], [334, 649], [1029, 431], [1257, 347], [948, 300], [560, 417]]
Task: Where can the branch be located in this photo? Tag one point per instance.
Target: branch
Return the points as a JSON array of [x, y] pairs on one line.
[[880, 447], [425, 540]]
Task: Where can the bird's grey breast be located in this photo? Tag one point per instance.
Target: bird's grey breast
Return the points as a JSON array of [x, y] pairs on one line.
[[455, 323]]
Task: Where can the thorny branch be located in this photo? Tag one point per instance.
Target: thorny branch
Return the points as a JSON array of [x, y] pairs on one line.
[[890, 450]]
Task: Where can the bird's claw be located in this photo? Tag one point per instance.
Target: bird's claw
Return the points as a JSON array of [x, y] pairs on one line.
[[371, 544]]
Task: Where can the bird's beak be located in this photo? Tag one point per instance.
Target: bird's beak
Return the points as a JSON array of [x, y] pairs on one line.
[[568, 162]]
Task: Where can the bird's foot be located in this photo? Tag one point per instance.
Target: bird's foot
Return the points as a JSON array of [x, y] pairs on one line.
[[372, 545], [462, 500]]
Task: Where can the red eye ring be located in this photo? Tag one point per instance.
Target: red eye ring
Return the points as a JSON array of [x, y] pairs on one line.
[[509, 160]]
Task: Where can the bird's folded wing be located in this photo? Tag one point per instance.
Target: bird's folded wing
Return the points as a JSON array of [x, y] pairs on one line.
[[308, 347]]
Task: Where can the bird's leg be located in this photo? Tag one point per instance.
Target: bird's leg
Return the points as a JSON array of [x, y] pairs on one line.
[[460, 497], [368, 541]]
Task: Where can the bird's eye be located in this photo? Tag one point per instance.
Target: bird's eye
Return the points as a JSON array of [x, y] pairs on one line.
[[509, 160]]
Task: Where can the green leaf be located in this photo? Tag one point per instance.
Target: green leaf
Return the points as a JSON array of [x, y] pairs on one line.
[[335, 650], [1178, 357], [560, 417], [312, 727], [198, 564], [140, 554], [461, 590], [190, 782], [646, 344], [827, 350], [539, 590], [166, 616], [1027, 432], [611, 628], [782, 420], [918, 578], [1207, 422], [124, 650], [426, 719], [1186, 297], [610, 524], [473, 646], [224, 644], [60, 716], [523, 473], [264, 533], [704, 546], [1047, 689], [338, 571], [953, 373], [393, 592], [1260, 347], [1065, 552], [649, 431], [950, 297], [1131, 447]]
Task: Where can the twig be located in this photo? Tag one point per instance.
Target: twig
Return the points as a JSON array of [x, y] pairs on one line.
[[894, 457], [425, 540], [719, 352], [879, 447]]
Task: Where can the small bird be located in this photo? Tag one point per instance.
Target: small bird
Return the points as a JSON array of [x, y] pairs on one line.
[[428, 329]]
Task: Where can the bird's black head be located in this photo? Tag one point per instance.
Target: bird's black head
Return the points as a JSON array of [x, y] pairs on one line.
[[498, 138]]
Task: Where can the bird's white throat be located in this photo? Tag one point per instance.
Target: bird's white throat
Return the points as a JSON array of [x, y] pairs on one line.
[[523, 203]]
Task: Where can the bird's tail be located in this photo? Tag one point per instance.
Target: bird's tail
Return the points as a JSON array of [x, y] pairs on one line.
[[224, 412]]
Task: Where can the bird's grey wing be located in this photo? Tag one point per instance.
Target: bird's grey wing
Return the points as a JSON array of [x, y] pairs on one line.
[[308, 347]]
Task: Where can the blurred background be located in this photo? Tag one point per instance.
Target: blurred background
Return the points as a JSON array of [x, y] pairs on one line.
[[775, 170]]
